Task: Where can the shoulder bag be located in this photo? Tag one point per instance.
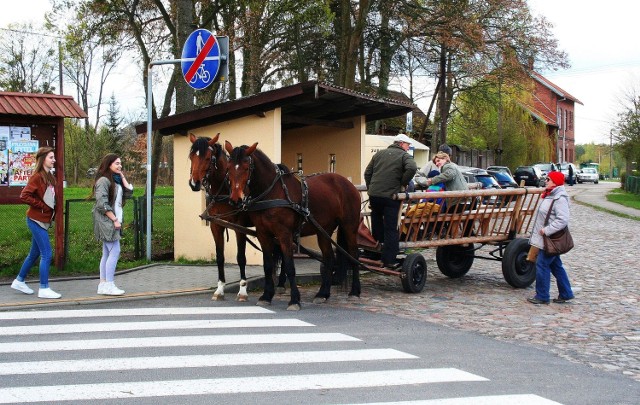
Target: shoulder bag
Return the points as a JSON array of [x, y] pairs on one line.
[[560, 242]]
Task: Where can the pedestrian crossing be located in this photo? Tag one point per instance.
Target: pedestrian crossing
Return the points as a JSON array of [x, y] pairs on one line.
[[115, 354]]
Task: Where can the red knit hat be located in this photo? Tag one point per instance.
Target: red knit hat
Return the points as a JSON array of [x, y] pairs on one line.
[[556, 177]]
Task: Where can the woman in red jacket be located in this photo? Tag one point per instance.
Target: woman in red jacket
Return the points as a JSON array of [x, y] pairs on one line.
[[40, 194]]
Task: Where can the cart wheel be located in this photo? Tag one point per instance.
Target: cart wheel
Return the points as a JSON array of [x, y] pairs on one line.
[[414, 268], [517, 271], [455, 261]]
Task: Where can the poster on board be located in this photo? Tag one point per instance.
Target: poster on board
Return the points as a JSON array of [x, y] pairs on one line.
[[20, 133], [22, 161], [4, 156]]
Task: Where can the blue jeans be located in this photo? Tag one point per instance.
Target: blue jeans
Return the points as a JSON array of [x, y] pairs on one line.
[[384, 226], [545, 266], [40, 247]]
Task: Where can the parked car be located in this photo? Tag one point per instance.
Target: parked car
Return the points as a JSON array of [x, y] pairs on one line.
[[546, 167], [588, 174], [476, 175], [503, 178], [531, 175], [503, 169], [564, 168]]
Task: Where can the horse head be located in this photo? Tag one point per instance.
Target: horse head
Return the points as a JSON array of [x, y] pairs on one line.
[[202, 158], [239, 170]]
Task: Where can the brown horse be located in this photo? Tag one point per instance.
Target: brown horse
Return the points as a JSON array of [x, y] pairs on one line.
[[276, 204], [209, 169]]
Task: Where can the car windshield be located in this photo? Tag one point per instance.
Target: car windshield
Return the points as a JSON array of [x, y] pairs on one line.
[[545, 166], [588, 170], [487, 181]]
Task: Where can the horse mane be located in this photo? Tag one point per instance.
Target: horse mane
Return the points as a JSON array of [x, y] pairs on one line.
[[238, 154], [200, 146]]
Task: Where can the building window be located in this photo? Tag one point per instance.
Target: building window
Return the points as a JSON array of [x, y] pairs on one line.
[[571, 120]]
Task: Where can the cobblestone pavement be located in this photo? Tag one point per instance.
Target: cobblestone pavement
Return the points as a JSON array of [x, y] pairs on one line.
[[600, 328]]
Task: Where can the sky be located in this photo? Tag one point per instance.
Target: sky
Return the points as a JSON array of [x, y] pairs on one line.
[[597, 36]]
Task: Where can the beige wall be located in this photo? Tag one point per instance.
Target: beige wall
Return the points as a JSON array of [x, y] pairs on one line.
[[316, 144], [192, 236]]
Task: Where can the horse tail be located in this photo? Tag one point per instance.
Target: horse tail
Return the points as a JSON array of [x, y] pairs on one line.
[[342, 262]]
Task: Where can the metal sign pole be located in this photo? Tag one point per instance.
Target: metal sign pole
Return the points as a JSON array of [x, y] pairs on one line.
[[201, 56], [149, 134]]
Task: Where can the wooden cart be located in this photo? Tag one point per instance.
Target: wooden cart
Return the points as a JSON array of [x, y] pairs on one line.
[[458, 224]]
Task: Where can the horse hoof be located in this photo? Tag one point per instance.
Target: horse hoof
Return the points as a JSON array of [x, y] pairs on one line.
[[319, 300], [242, 298], [217, 298], [281, 290], [263, 303], [293, 307]]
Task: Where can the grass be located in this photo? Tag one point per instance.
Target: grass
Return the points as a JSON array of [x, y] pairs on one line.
[[624, 198], [84, 251]]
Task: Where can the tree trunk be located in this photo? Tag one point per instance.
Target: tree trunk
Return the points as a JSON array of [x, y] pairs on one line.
[[184, 27]]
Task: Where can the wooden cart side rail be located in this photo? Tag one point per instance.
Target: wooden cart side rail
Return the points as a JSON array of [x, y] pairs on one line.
[[494, 216]]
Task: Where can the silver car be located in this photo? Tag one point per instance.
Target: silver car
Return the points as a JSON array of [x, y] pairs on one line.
[[588, 174]]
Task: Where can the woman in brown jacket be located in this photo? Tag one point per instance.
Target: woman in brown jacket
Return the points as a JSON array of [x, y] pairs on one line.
[[40, 194]]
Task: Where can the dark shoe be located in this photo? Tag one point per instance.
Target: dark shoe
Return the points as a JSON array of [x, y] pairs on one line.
[[391, 266], [561, 300], [536, 301]]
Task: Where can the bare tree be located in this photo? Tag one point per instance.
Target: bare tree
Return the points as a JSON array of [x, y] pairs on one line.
[[28, 60]]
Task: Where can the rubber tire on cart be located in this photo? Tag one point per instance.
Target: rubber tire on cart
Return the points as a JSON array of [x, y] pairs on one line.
[[414, 269], [456, 260], [517, 271]]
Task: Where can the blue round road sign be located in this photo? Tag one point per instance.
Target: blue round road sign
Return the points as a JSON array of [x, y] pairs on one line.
[[200, 59]]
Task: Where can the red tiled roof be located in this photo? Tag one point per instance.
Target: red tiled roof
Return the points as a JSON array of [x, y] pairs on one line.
[[553, 87], [41, 105]]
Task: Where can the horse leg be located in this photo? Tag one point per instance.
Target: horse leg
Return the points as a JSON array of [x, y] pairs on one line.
[[349, 242], [326, 269], [267, 258], [218, 237], [282, 278], [241, 239]]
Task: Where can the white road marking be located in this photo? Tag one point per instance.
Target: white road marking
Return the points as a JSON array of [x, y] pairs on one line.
[[277, 383], [214, 360], [133, 326], [173, 341], [525, 399], [84, 313]]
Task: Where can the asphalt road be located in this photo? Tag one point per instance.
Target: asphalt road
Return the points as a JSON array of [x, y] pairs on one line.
[[468, 365]]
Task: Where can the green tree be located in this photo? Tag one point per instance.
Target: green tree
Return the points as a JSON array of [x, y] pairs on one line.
[[475, 124], [626, 131]]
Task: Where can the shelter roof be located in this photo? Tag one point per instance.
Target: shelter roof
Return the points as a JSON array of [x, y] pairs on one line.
[[39, 105], [302, 104]]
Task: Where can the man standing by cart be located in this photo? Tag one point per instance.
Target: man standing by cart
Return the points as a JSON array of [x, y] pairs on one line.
[[388, 172]]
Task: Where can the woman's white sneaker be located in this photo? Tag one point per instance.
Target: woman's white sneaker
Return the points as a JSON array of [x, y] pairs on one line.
[[48, 293], [109, 288], [21, 286]]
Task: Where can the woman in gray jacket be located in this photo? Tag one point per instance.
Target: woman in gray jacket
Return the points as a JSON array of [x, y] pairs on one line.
[[555, 197], [110, 190]]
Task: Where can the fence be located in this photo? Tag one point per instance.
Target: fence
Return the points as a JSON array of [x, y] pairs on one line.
[[82, 251], [632, 184]]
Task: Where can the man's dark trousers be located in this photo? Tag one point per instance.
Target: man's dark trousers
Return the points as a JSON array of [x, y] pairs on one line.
[[384, 224]]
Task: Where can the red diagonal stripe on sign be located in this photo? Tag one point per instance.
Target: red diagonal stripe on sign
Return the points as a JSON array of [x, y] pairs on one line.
[[200, 58]]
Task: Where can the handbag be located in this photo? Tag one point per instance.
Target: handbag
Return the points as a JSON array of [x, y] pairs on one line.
[[560, 242]]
